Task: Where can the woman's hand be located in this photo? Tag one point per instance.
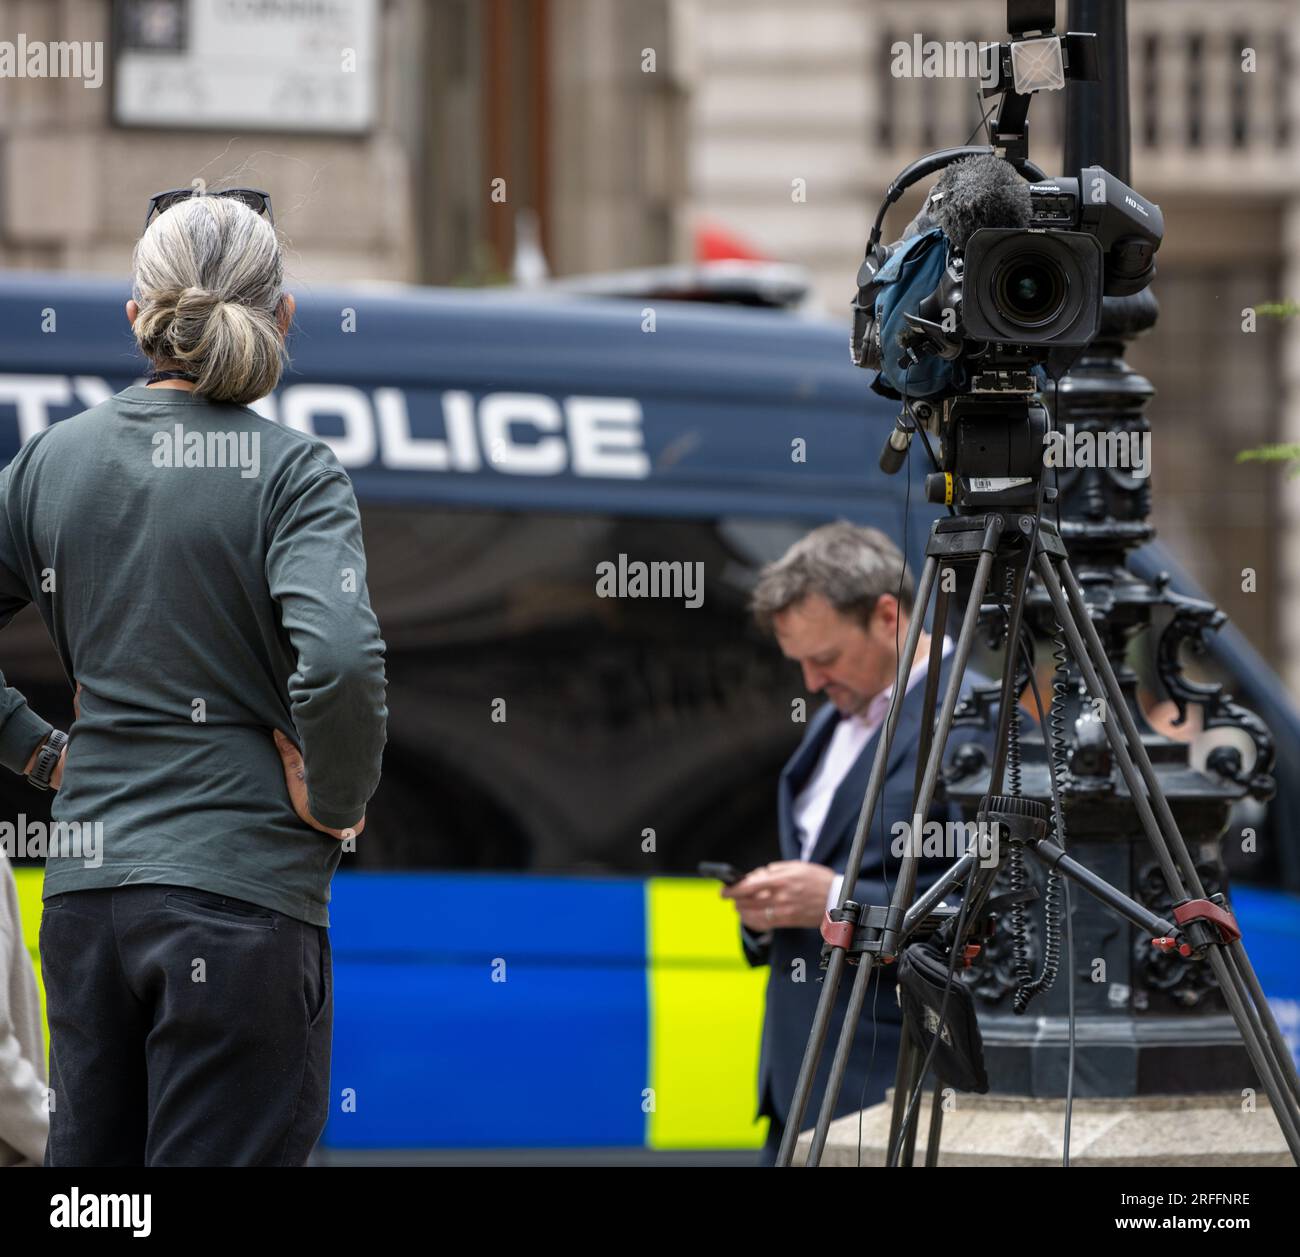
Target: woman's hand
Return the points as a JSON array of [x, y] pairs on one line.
[[56, 777], [295, 780]]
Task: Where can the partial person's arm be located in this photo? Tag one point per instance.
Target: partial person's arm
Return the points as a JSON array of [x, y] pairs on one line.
[[22, 731], [316, 571], [24, 1122]]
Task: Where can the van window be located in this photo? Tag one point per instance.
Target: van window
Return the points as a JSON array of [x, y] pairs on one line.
[[535, 724], [576, 692]]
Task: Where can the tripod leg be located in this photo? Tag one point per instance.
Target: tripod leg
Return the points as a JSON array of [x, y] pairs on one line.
[[1011, 669], [909, 1151], [1243, 970], [1143, 918], [1070, 626], [905, 1083], [900, 1141], [1261, 1018], [931, 697], [1271, 1073], [902, 1073], [954, 879], [936, 1127], [1246, 972], [877, 782], [981, 888], [1267, 1066], [905, 887], [835, 967], [905, 890]]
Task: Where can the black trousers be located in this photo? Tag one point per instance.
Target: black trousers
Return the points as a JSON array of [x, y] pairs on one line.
[[186, 1028]]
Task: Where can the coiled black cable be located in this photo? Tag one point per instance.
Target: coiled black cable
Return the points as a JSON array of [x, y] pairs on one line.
[[1058, 763], [1058, 766], [1017, 875], [1013, 728]]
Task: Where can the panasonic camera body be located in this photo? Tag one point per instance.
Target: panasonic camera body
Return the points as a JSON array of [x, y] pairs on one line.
[[963, 297], [1042, 285]]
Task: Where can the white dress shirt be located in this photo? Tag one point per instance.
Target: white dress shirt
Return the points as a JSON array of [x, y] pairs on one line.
[[847, 741]]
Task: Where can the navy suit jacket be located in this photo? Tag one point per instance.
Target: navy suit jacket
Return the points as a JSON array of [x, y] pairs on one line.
[[793, 989]]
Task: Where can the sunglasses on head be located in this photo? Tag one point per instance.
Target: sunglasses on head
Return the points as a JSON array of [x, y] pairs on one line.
[[256, 200]]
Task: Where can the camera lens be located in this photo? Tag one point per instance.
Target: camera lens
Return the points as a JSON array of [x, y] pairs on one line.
[[1030, 289]]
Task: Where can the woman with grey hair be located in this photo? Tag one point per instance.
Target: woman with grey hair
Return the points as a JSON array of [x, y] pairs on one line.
[[202, 575]]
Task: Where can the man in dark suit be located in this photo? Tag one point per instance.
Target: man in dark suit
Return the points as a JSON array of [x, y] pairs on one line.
[[838, 603]]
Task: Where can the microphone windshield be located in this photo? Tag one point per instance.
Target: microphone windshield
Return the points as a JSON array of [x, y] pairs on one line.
[[977, 192]]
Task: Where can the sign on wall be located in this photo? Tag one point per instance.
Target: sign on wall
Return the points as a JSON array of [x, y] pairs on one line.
[[273, 65]]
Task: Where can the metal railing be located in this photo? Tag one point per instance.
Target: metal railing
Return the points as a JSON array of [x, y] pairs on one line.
[[1215, 100]]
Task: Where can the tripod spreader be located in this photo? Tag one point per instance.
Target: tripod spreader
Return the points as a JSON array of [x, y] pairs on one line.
[[1198, 924], [857, 930], [1211, 924]]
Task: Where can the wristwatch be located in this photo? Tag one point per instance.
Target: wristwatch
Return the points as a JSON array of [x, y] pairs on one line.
[[46, 759]]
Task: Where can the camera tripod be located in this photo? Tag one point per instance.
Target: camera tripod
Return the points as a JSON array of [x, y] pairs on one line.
[[1006, 533]]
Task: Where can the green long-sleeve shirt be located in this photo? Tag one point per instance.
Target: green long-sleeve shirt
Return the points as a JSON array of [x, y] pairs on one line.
[[201, 573]]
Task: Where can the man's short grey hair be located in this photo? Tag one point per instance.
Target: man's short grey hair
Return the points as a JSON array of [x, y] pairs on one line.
[[849, 565]]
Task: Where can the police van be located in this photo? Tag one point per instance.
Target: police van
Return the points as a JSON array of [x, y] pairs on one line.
[[565, 499]]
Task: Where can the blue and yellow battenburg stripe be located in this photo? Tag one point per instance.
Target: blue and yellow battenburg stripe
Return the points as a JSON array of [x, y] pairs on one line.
[[706, 1016], [507, 1011], [503, 1011]]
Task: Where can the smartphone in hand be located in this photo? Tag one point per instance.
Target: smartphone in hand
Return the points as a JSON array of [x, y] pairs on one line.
[[727, 874]]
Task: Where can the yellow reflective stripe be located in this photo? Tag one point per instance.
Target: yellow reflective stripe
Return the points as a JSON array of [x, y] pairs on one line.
[[947, 488], [705, 1018], [29, 883]]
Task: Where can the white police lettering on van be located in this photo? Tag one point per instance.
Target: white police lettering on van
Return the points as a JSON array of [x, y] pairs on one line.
[[519, 434]]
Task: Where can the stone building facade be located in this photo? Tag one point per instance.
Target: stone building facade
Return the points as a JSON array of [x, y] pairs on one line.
[[622, 128]]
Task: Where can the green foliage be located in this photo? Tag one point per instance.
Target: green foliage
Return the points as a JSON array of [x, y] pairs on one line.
[[1289, 454], [1278, 309]]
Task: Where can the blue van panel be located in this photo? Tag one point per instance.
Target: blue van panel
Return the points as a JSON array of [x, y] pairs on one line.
[[1270, 929], [442, 1056], [751, 413], [722, 391]]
